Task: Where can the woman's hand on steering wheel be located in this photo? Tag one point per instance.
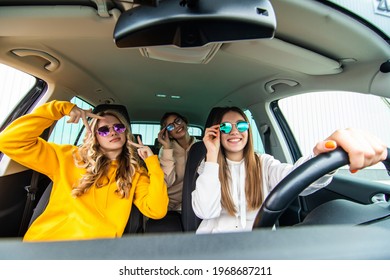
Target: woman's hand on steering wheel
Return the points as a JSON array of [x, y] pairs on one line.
[[363, 149]]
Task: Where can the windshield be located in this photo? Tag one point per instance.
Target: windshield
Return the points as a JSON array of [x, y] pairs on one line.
[[376, 12]]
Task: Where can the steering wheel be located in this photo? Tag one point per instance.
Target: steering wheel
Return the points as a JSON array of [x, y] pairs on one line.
[[299, 179]]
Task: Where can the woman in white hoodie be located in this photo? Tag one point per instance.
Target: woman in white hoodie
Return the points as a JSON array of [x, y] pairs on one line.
[[234, 181]]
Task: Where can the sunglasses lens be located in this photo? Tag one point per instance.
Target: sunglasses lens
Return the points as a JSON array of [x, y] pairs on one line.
[[170, 127], [225, 127], [242, 126], [103, 131], [178, 121], [119, 128]]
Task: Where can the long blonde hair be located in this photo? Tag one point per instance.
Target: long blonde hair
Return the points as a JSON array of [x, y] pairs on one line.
[[253, 185], [90, 157]]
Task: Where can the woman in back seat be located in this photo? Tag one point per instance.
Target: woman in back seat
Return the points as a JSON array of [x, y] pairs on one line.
[[175, 143]]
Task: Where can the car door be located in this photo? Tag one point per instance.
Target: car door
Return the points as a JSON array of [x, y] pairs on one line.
[[19, 94], [312, 117]]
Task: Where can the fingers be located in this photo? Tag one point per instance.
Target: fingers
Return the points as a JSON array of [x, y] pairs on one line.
[[144, 152], [77, 113], [165, 135], [211, 133], [363, 148], [211, 140], [94, 116], [162, 135], [163, 139], [324, 147], [135, 144], [85, 122], [139, 140]]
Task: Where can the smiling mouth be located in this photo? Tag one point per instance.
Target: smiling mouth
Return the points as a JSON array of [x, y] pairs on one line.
[[115, 140]]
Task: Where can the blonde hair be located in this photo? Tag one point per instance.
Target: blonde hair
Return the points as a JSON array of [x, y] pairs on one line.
[[253, 182], [90, 157]]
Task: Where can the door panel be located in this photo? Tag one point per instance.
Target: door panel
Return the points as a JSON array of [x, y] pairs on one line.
[[12, 202], [345, 187]]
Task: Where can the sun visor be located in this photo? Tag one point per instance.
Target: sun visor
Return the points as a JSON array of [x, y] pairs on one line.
[[195, 24], [286, 55]]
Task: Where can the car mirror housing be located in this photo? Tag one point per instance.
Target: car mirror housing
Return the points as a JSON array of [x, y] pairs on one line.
[[203, 22]]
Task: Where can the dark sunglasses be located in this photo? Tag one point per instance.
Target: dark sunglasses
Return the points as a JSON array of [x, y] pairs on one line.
[[170, 127], [226, 127], [105, 130]]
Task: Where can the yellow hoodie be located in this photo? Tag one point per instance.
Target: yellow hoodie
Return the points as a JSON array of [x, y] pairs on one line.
[[99, 213]]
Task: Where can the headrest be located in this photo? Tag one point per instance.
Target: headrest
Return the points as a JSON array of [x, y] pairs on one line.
[[114, 107], [135, 135], [212, 115]]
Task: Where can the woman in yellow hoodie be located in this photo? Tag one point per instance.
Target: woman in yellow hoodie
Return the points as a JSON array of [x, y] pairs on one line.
[[94, 185]]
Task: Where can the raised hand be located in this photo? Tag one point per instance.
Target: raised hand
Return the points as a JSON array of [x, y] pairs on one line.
[[212, 142], [77, 113], [163, 138], [143, 151]]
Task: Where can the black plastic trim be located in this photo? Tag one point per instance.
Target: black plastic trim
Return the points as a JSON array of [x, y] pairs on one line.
[[288, 135]]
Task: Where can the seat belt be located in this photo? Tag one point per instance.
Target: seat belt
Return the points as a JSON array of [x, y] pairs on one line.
[[266, 130], [28, 208], [32, 190]]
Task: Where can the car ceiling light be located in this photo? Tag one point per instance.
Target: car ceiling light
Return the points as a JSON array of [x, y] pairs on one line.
[[161, 95], [198, 55], [175, 96]]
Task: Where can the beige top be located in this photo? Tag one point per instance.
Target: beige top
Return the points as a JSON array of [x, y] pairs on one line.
[[173, 163]]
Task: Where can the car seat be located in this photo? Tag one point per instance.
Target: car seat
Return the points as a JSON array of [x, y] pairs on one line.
[[135, 222], [136, 137], [115, 107], [196, 154]]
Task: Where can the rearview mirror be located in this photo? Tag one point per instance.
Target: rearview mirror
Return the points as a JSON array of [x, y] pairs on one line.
[[202, 22]]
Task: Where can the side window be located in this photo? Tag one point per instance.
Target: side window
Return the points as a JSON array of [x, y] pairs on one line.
[[149, 131], [315, 116], [258, 144], [14, 85], [63, 133]]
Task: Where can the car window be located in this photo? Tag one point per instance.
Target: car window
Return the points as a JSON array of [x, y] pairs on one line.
[[14, 85], [64, 133], [314, 116], [149, 131], [257, 142]]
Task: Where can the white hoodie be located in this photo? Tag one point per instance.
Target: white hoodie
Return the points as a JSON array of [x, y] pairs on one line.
[[206, 198]]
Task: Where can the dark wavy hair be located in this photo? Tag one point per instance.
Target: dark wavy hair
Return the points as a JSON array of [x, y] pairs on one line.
[[168, 114]]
